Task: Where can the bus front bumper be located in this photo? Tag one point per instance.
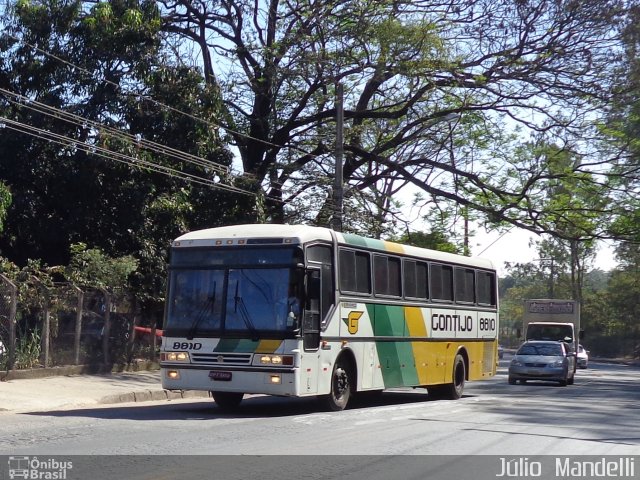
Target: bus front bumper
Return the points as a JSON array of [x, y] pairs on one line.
[[271, 382]]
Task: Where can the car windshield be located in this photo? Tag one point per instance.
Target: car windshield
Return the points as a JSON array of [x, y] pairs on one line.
[[547, 350], [550, 332]]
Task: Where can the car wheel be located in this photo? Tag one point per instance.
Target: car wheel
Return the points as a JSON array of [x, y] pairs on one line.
[[512, 381]]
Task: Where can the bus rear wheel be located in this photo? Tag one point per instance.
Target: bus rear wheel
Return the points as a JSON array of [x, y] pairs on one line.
[[227, 400], [453, 390], [341, 385]]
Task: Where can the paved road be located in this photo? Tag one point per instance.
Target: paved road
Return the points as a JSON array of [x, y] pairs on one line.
[[596, 416]]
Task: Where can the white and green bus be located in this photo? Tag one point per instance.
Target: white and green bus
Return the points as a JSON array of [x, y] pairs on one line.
[[295, 310]]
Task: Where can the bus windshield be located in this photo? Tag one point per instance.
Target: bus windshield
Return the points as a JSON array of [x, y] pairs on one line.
[[238, 300]]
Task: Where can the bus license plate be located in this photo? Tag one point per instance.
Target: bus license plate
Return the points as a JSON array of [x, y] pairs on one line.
[[220, 376]]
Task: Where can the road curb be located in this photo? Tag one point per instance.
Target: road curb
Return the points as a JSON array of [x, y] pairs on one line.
[[150, 396]]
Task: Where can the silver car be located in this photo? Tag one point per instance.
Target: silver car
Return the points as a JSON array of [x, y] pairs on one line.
[[583, 357], [541, 360]]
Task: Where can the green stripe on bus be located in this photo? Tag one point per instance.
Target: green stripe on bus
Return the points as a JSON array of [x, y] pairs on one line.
[[240, 345], [396, 364], [352, 239], [396, 358], [389, 364], [408, 364], [389, 321]]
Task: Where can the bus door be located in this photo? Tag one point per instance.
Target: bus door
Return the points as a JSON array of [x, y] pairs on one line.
[[310, 355], [312, 314]]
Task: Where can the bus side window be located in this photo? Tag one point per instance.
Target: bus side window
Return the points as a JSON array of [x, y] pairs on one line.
[[441, 282], [465, 291], [327, 295], [486, 282], [322, 256]]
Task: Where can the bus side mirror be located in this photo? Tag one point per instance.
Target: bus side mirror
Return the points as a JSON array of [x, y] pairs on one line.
[[581, 334], [518, 333]]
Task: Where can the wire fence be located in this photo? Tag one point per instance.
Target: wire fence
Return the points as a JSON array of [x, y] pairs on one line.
[[64, 325]]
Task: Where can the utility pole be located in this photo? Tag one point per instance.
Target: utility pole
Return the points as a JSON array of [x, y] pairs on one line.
[[338, 186], [550, 262]]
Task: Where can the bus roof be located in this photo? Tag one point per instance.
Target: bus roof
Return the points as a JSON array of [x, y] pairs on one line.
[[301, 234]]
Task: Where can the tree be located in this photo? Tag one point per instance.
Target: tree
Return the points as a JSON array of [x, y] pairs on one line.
[[5, 202], [622, 126], [92, 268], [435, 240], [487, 67], [600, 317], [100, 134], [576, 202]]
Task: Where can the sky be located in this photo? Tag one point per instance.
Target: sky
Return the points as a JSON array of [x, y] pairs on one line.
[[514, 247]]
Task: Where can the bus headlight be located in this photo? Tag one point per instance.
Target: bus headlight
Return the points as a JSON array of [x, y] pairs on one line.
[[181, 357], [286, 360]]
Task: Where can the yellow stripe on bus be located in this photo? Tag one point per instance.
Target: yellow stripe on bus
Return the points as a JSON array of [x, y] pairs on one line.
[[422, 356], [415, 322], [268, 346], [393, 247]]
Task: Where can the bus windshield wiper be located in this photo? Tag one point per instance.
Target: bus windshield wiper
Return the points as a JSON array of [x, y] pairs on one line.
[[203, 313], [239, 305]]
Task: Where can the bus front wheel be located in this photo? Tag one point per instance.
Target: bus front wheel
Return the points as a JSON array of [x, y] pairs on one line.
[[341, 385], [227, 400]]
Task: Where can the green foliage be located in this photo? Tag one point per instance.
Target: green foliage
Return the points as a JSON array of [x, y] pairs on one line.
[[609, 307], [93, 268], [28, 348], [435, 240], [270, 82], [123, 81], [5, 202], [407, 68]]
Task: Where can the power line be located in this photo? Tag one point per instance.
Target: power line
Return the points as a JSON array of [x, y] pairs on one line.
[[139, 142], [173, 109], [116, 156], [496, 240]]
